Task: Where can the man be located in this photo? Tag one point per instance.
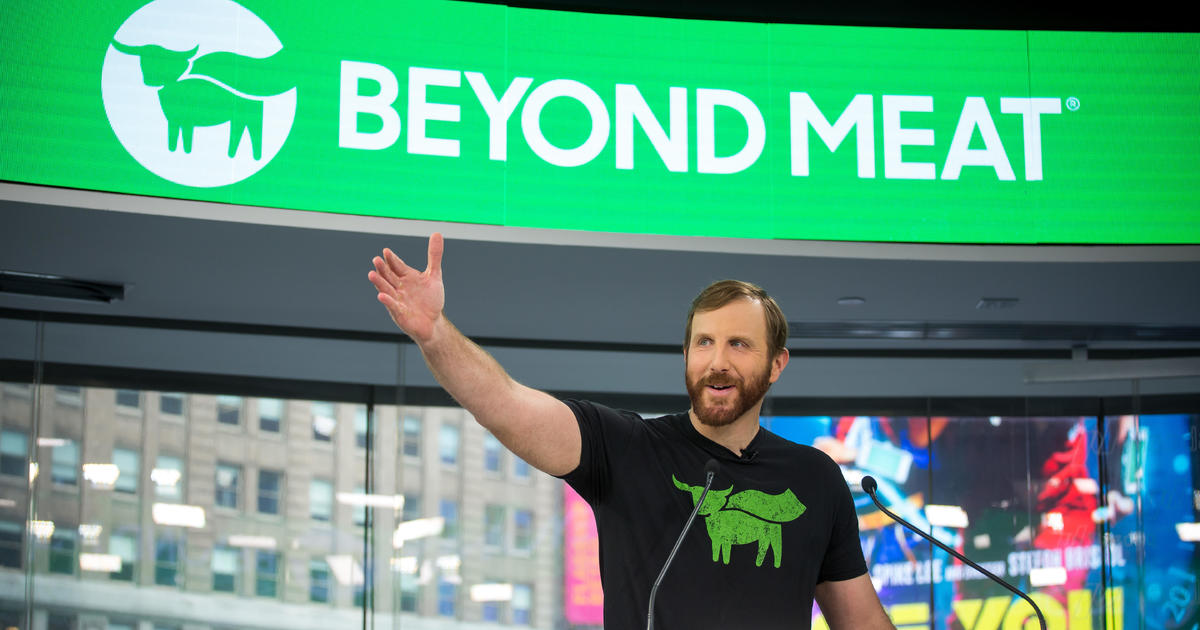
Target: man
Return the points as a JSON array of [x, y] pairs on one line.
[[778, 527]]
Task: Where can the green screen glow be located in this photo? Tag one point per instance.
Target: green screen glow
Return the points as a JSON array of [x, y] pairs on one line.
[[453, 111]]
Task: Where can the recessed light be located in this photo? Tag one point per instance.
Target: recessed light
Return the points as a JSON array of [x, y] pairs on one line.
[[851, 301]]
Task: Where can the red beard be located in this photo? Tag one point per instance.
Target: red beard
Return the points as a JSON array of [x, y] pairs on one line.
[[721, 412]]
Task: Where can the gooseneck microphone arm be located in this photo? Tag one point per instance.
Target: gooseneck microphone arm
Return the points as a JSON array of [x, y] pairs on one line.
[[869, 486], [710, 472]]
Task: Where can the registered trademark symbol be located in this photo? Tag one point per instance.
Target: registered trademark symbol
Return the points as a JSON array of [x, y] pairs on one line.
[[1072, 103]]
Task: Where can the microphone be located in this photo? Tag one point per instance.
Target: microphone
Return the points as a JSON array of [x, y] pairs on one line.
[[870, 486], [710, 472]]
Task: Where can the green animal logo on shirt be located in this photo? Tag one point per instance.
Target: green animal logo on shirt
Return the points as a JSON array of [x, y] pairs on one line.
[[750, 516]]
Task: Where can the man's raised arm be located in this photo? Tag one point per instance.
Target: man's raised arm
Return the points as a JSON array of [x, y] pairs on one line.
[[534, 425]]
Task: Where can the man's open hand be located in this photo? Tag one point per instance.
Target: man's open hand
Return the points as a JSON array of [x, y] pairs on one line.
[[414, 299]]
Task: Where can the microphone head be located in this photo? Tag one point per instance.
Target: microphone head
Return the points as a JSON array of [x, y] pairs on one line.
[[868, 484], [711, 467]]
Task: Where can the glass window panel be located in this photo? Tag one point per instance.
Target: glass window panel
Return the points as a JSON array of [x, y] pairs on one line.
[[62, 552], [129, 398], [70, 396], [124, 546], [446, 595], [448, 437], [270, 491], [11, 537], [270, 415], [492, 453], [226, 566], [228, 482], [493, 525], [324, 421], [361, 428], [523, 534], [171, 403], [126, 462], [320, 500], [266, 573], [448, 509], [318, 581], [410, 586], [521, 469], [522, 604], [412, 507], [412, 436], [166, 560], [167, 477], [229, 410], [359, 511], [14, 452], [64, 464]]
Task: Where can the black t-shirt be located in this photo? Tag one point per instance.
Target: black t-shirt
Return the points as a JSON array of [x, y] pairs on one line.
[[778, 520]]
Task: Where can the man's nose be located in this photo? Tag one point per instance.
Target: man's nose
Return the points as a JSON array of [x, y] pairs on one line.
[[720, 360]]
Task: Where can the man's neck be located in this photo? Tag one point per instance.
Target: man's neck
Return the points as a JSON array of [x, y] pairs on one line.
[[734, 436]]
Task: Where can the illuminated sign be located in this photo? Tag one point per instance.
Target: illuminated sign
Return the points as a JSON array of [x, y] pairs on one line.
[[533, 118]]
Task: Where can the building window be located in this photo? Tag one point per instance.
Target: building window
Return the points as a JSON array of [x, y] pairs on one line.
[[412, 507], [71, 396], [168, 478], [270, 491], [129, 398], [126, 462], [226, 565], [520, 468], [270, 415], [64, 463], [448, 510], [360, 511], [493, 526], [266, 573], [493, 453], [411, 431], [320, 500], [229, 480], [523, 530], [123, 546], [62, 552], [166, 560], [170, 404], [324, 421], [318, 581], [448, 444], [362, 429], [10, 544], [229, 410], [522, 604], [14, 447], [410, 588], [447, 594]]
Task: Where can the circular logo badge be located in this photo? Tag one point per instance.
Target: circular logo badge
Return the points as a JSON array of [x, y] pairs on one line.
[[192, 91]]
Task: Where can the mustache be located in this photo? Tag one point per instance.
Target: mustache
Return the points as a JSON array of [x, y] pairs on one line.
[[719, 381]]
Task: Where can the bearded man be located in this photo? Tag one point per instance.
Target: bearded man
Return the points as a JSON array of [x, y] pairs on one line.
[[779, 524]]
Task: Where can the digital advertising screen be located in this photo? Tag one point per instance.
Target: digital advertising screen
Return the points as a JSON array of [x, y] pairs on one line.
[[492, 115]]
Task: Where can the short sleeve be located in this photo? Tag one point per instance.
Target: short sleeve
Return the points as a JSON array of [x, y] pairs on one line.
[[603, 434], [843, 557]]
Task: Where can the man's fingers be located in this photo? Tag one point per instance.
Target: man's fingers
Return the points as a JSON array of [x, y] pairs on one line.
[[395, 265], [380, 283], [436, 246]]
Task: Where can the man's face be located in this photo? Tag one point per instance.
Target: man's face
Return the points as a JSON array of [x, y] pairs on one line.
[[729, 363]]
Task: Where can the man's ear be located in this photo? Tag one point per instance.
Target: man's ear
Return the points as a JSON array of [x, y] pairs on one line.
[[778, 363]]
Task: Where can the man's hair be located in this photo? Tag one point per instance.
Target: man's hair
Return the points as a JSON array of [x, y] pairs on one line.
[[723, 292]]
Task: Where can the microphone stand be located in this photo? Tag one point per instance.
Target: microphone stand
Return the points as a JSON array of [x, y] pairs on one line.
[[709, 472], [869, 486]]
